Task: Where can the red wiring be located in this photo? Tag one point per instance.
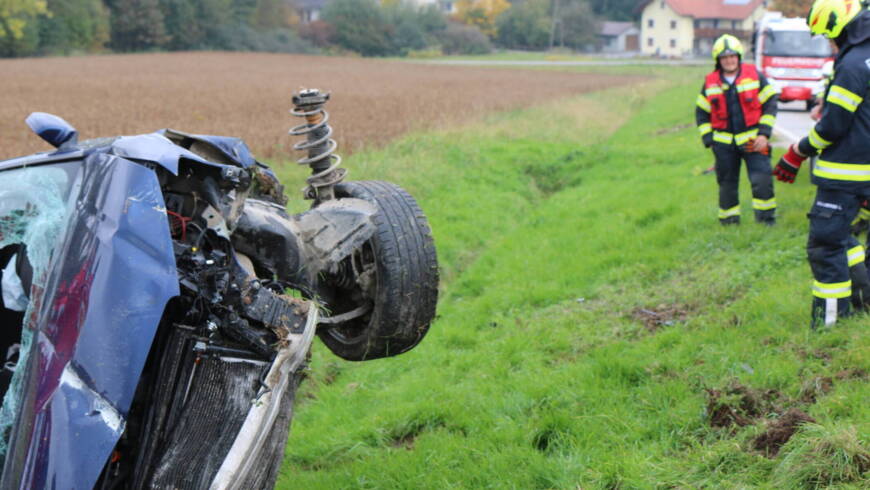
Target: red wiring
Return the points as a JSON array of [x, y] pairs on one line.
[[178, 224]]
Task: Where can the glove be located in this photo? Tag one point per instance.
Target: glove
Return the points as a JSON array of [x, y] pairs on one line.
[[707, 139], [749, 147], [787, 168], [861, 223]]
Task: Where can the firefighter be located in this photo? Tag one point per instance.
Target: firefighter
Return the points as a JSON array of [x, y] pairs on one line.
[[735, 113], [841, 139]]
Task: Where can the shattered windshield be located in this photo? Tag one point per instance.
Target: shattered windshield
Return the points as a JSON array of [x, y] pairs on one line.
[[34, 207], [796, 43]]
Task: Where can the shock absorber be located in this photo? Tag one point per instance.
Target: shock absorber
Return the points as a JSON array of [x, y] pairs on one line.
[[324, 163]]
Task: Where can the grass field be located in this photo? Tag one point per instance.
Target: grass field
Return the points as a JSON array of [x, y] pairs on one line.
[[597, 327]]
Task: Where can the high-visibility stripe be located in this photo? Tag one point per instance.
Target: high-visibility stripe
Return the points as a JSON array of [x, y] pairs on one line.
[[764, 204], [817, 141], [864, 213], [703, 103], [723, 137], [844, 98], [766, 93], [856, 255], [854, 172], [749, 85], [705, 128], [834, 290], [727, 213], [768, 120], [742, 138], [713, 91]]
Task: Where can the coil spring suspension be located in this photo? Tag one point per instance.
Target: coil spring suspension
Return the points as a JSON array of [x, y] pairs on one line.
[[324, 163]]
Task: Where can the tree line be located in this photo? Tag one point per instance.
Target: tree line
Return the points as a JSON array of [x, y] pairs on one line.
[[367, 27]]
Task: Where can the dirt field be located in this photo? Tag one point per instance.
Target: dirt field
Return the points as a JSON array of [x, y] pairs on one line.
[[248, 95]]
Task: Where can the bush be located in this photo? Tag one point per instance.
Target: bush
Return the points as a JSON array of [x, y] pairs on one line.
[[361, 26], [416, 27], [463, 39], [242, 37], [318, 33], [525, 26]]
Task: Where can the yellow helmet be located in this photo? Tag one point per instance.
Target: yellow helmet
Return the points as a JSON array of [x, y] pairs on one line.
[[829, 17], [727, 44]]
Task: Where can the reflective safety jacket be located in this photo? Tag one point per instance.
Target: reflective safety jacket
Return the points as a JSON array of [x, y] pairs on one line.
[[735, 113], [841, 138]]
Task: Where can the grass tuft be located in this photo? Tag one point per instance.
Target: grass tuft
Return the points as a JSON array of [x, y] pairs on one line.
[[819, 456]]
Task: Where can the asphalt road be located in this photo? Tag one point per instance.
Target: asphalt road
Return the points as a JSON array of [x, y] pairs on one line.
[[792, 123]]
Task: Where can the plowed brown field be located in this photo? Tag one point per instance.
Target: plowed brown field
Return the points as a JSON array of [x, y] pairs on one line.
[[248, 95]]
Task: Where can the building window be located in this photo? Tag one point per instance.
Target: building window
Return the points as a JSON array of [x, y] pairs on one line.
[[673, 24], [715, 23], [734, 24], [649, 41], [673, 43], [650, 23], [662, 4]]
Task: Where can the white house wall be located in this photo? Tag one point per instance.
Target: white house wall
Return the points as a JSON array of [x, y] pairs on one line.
[[670, 33]]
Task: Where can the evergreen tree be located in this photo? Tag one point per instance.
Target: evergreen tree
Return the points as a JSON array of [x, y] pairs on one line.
[[614, 9], [182, 24], [137, 25]]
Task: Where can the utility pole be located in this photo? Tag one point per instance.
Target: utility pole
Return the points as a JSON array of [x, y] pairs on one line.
[[555, 21]]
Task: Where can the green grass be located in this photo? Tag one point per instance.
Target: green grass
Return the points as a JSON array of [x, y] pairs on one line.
[[555, 227]]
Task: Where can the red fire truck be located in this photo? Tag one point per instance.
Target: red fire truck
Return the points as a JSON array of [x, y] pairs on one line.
[[791, 58]]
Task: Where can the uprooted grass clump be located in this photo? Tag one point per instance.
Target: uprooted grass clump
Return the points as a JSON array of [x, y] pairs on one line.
[[661, 316], [739, 405], [819, 456], [780, 430]]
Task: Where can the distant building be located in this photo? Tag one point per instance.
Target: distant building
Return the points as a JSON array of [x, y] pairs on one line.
[[618, 37], [679, 28], [309, 10], [446, 6]]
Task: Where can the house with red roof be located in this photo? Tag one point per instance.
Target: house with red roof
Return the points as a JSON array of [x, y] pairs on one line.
[[684, 28]]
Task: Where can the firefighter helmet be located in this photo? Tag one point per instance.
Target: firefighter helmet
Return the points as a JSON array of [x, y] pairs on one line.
[[725, 45], [829, 17]]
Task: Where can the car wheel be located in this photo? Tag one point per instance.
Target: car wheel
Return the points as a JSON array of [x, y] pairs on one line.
[[381, 299]]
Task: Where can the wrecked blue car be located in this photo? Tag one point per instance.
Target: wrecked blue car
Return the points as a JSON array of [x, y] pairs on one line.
[[159, 303]]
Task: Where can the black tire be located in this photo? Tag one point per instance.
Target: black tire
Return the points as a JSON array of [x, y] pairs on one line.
[[402, 289], [809, 104]]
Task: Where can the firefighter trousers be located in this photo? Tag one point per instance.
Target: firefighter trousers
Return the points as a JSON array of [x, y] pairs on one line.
[[728, 159], [836, 257]]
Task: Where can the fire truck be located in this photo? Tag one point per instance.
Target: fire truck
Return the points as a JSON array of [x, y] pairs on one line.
[[791, 58]]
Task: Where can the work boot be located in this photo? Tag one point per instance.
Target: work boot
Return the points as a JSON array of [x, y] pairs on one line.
[[766, 217], [731, 220], [826, 311]]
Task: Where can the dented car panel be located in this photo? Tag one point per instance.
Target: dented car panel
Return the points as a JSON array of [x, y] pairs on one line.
[[111, 276]]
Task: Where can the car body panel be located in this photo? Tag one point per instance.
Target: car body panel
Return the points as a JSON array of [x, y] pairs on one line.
[[110, 278]]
